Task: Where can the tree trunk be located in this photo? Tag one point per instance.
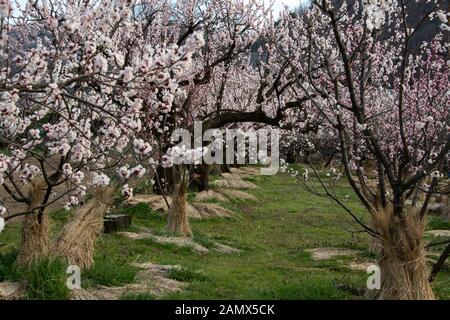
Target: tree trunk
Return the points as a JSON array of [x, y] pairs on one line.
[[403, 264], [177, 219], [35, 241], [322, 163], [215, 169], [225, 168], [330, 159], [204, 177], [440, 263], [201, 180], [164, 180], [397, 201]]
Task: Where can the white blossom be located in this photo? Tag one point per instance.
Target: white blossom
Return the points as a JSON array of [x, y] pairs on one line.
[[124, 172], [141, 147], [127, 192], [442, 16], [436, 174], [100, 179], [138, 171], [100, 64]]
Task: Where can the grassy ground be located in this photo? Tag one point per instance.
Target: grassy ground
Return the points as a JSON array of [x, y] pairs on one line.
[[272, 234]]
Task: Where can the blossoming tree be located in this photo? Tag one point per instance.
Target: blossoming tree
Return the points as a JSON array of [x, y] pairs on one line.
[[388, 103], [69, 104], [225, 30]]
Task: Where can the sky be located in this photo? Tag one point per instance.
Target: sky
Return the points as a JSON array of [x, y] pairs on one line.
[[277, 7]]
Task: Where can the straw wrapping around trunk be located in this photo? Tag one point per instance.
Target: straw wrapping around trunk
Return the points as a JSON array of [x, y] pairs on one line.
[[76, 241], [35, 241], [177, 219], [404, 270]]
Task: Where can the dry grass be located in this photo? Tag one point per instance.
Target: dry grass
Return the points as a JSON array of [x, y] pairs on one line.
[[152, 279], [35, 241], [12, 290], [360, 265], [210, 195], [237, 194], [178, 241], [208, 210], [222, 248], [328, 253], [246, 172], [439, 233], [76, 240], [157, 203], [195, 210], [233, 181], [224, 195]]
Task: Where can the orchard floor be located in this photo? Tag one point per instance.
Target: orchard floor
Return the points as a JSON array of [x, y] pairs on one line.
[[273, 234]]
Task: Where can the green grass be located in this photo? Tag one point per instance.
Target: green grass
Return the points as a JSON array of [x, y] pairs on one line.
[[7, 269], [186, 275], [45, 279], [438, 223], [272, 234], [110, 270]]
